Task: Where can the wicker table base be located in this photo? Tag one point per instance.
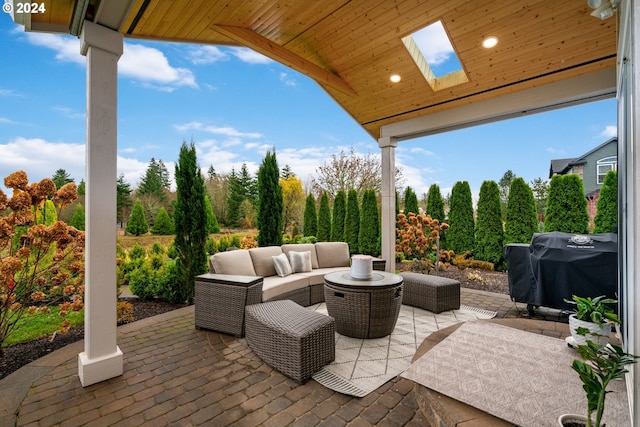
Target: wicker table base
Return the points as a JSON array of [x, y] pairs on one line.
[[363, 308]]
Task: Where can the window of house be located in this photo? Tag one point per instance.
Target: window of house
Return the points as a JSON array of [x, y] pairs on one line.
[[605, 165]]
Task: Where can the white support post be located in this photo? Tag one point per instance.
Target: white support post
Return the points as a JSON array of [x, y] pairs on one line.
[[101, 359], [387, 146]]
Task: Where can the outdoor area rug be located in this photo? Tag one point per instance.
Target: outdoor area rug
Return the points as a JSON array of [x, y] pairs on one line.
[[363, 365], [521, 377]]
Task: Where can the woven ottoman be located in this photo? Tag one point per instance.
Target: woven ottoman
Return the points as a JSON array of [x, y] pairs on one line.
[[291, 339], [433, 293]]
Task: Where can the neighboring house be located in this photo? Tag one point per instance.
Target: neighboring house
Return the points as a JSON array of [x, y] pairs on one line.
[[592, 166]]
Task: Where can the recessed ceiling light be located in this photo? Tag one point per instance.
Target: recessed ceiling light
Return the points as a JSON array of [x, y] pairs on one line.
[[489, 42], [395, 78]]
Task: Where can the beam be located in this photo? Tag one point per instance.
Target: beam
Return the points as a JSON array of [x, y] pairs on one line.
[[255, 41]]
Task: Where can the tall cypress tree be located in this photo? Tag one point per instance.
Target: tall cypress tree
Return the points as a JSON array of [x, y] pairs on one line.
[[310, 226], [606, 218], [369, 224], [269, 202], [435, 209], [410, 201], [339, 216], [522, 220], [489, 234], [461, 223], [352, 221], [324, 219], [190, 224], [566, 205]]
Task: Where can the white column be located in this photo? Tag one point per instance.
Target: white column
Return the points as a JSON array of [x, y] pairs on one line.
[[101, 359], [387, 146]]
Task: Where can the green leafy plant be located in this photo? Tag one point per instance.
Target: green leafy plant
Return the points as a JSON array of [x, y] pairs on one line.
[[601, 364], [594, 310]]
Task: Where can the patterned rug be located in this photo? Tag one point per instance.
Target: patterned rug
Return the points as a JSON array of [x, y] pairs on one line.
[[521, 377], [363, 365]]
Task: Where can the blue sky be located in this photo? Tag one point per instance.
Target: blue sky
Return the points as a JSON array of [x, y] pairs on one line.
[[235, 105]]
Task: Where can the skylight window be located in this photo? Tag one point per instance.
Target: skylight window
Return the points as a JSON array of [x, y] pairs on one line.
[[434, 55]]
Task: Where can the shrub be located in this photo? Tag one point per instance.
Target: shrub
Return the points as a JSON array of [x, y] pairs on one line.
[[77, 220], [141, 282], [489, 234], [339, 216], [235, 241], [435, 209], [352, 221], [223, 243], [324, 219], [248, 242], [369, 236], [157, 249], [566, 205], [137, 223], [172, 252], [410, 202], [308, 239], [606, 218], [310, 226], [124, 312], [522, 220], [166, 281], [465, 260], [460, 237], [417, 239], [210, 247], [137, 252], [163, 224]]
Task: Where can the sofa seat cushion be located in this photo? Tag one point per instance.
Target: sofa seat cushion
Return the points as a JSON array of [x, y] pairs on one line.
[[332, 254], [316, 277], [273, 286], [233, 262], [302, 247], [262, 259]]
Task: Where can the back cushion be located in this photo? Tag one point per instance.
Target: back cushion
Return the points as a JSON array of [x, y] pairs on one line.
[[263, 261], [333, 254], [233, 262], [302, 247]]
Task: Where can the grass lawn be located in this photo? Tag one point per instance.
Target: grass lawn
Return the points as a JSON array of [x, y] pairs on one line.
[[34, 326]]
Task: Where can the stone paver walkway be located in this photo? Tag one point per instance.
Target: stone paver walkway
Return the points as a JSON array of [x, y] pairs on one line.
[[175, 375]]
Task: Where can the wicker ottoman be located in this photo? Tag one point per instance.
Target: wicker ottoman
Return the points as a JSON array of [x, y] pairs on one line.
[[433, 293], [292, 339]]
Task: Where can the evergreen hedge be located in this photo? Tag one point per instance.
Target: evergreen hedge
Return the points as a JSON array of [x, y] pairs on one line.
[[324, 219], [310, 226], [460, 237], [410, 202], [435, 209], [369, 236], [606, 218], [270, 202], [489, 234], [522, 219], [352, 222], [339, 216], [566, 205]]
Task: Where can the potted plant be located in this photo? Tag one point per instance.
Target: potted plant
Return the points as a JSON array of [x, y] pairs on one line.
[[601, 364], [593, 317]]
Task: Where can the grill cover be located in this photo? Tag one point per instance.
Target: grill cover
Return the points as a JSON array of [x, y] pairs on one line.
[[558, 265]]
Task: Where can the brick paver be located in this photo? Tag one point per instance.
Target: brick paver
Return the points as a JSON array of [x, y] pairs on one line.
[[178, 375]]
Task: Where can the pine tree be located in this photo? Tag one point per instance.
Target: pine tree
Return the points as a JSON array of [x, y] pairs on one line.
[[369, 237], [606, 218], [249, 184], [77, 220], [123, 198], [461, 224], [236, 196], [137, 224], [270, 202], [522, 220], [410, 202], [61, 177], [339, 216], [310, 227], [190, 224], [352, 222], [489, 233], [163, 224], [155, 181], [324, 219], [566, 205], [212, 221]]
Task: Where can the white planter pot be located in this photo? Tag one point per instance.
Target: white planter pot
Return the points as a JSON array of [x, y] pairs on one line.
[[568, 418], [597, 333]]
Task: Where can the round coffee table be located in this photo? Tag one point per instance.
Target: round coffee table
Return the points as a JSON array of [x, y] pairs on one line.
[[363, 308]]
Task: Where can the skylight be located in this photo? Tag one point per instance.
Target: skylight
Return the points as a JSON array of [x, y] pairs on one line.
[[433, 53]]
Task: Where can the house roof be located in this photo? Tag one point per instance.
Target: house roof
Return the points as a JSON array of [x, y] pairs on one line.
[[351, 47], [561, 166]]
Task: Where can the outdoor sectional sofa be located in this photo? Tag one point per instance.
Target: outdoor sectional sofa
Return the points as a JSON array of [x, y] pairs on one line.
[[243, 277]]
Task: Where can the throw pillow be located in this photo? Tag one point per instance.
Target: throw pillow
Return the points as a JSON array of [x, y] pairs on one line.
[[281, 264], [300, 261]]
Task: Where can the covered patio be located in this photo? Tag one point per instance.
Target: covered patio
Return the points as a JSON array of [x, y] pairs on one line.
[[548, 56]]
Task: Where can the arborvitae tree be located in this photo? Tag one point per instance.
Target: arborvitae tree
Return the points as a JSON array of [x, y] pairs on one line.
[[212, 221], [489, 234], [324, 219], [77, 220], [410, 201], [163, 224], [137, 224], [461, 224], [190, 224], [567, 205], [236, 196], [270, 202], [339, 216], [352, 222], [606, 218], [369, 237], [435, 209], [522, 220], [310, 227], [123, 199], [61, 177]]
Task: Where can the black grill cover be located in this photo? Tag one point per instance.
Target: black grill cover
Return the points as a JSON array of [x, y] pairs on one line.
[[565, 264], [522, 284]]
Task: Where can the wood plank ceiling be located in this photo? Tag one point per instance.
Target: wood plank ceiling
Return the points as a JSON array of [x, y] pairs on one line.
[[351, 47]]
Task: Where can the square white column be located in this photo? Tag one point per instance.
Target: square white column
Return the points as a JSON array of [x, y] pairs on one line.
[[388, 203]]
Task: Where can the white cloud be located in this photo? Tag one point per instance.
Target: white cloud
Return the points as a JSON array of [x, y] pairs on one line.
[[206, 55], [67, 48], [287, 80], [151, 66], [8, 92], [225, 131], [6, 121], [133, 171], [250, 56], [69, 113], [434, 43], [610, 131]]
